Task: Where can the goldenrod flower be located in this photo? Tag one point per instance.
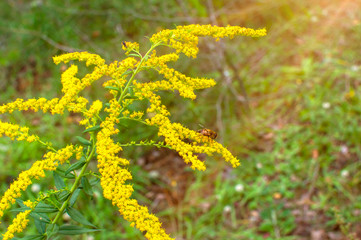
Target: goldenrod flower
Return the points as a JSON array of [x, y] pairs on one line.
[[18, 225], [130, 46], [136, 114], [126, 90], [14, 131], [185, 38], [94, 109], [49, 163], [89, 58]]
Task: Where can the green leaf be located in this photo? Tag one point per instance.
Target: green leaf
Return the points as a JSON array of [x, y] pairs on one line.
[[112, 88], [94, 182], [20, 202], [126, 72], [123, 122], [22, 209], [62, 196], [40, 226], [131, 97], [133, 55], [61, 172], [78, 217], [53, 199], [40, 217], [32, 237], [59, 181], [57, 237], [75, 166], [83, 140], [86, 186], [45, 208], [131, 91], [74, 197], [52, 230], [93, 129], [75, 230]]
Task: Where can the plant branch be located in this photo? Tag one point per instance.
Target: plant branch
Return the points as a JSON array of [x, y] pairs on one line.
[[76, 182]]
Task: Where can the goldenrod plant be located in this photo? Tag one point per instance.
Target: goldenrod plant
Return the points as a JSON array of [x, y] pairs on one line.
[[100, 121]]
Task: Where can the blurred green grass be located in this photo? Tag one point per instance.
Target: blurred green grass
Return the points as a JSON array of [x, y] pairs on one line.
[[287, 105]]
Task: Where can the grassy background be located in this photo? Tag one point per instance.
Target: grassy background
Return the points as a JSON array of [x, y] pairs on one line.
[[287, 105]]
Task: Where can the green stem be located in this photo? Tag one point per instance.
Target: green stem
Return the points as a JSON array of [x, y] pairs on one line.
[[47, 145], [158, 145], [76, 182], [136, 71], [137, 120]]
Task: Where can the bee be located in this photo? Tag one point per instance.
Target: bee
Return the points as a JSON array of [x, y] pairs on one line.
[[208, 133], [124, 44]]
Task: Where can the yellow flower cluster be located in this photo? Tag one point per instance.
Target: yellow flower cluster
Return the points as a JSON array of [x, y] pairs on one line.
[[176, 80], [175, 134], [14, 131], [18, 225], [72, 85], [92, 112], [118, 73], [50, 162], [114, 178], [155, 61], [75, 104], [144, 91], [137, 115], [20, 222], [89, 58], [30, 204], [130, 46], [134, 115], [32, 104], [117, 69], [107, 150], [188, 142], [185, 38]]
